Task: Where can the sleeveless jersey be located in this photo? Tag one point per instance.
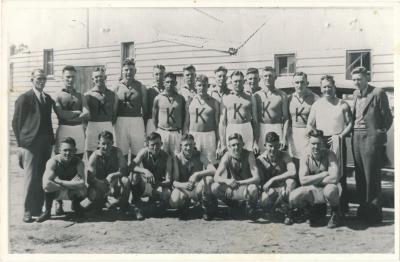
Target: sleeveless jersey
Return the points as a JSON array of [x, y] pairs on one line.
[[69, 101], [239, 169], [187, 167], [329, 118], [316, 167], [171, 111], [202, 114], [214, 92], [269, 106], [238, 108], [157, 166], [101, 105], [299, 108], [105, 165], [187, 93], [152, 93], [272, 168], [66, 171], [129, 99]]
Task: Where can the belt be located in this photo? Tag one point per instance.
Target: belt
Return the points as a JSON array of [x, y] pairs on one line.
[[170, 129]]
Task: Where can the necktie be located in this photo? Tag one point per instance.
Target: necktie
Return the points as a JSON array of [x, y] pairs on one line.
[[42, 98]]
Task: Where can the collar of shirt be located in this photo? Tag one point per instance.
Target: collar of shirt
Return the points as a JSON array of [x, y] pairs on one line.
[[69, 91], [37, 93], [366, 92]]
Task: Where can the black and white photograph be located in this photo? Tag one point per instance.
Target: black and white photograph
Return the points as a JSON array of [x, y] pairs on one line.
[[178, 130]]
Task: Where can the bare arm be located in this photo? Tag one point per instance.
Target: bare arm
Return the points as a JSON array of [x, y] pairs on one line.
[[49, 185], [77, 182], [144, 101], [222, 128], [285, 119], [155, 112], [168, 173], [307, 179], [208, 171], [186, 119], [290, 173], [311, 122], [175, 169], [255, 173], [333, 170], [222, 168], [85, 115], [254, 119], [348, 120], [217, 117], [65, 114]]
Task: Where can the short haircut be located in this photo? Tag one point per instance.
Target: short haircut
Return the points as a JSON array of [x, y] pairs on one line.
[[40, 71], [221, 68], [328, 78], [269, 69], [106, 135], [316, 133], [68, 140], [189, 68], [161, 67], [252, 70], [187, 137], [128, 62], [99, 69], [153, 136], [237, 73], [271, 137], [69, 68], [202, 78], [300, 74], [235, 136], [170, 75], [360, 70]]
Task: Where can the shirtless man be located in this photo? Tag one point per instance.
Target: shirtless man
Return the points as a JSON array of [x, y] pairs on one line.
[[204, 118], [132, 106], [188, 89], [152, 175], [279, 177], [152, 93], [239, 116], [193, 176], [221, 89], [64, 178], [300, 103], [237, 176], [333, 116], [102, 104], [107, 176], [319, 177], [170, 115], [252, 81], [271, 105]]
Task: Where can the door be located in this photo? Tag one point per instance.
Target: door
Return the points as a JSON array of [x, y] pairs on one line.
[[83, 80]]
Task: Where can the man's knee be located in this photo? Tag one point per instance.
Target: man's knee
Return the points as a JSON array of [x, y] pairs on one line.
[[331, 193], [165, 194], [125, 183], [50, 186], [291, 184], [177, 199], [252, 191], [268, 198], [299, 197]]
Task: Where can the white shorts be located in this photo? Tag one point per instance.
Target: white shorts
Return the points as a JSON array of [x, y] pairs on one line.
[[318, 193], [206, 143], [76, 132], [266, 128], [246, 130], [196, 193], [129, 134], [92, 133], [150, 127], [298, 142], [171, 141]]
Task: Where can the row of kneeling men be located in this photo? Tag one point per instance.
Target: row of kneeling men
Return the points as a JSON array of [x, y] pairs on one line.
[[177, 181]]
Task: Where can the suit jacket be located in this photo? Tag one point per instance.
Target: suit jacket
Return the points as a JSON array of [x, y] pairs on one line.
[[377, 114], [27, 117]]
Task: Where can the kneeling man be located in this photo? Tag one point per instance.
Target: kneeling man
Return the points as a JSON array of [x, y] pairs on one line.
[[237, 176], [64, 178], [279, 173], [193, 176], [319, 177]]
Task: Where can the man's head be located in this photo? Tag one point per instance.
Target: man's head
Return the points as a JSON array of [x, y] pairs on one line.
[[187, 145], [67, 148], [237, 79], [201, 84], [272, 144], [359, 75], [235, 144], [220, 76], [300, 81], [68, 76], [268, 77], [128, 69], [99, 77], [252, 77], [316, 142], [189, 74], [105, 142], [38, 79], [154, 143], [328, 88], [158, 74], [169, 81]]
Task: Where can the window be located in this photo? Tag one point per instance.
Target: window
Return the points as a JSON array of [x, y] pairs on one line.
[[285, 64], [48, 62], [356, 58], [127, 50]]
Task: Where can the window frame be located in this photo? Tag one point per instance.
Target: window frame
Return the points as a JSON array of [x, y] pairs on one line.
[[277, 67], [48, 64], [125, 46], [348, 70]]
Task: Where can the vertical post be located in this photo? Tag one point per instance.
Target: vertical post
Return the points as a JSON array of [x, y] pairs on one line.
[[87, 27]]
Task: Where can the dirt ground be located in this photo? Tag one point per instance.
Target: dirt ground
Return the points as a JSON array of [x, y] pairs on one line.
[[114, 233]]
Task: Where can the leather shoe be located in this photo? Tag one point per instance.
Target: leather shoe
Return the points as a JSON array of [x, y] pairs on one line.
[[43, 217], [27, 217]]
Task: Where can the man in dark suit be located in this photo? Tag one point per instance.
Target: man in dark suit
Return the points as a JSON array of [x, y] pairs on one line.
[[34, 133], [372, 119]]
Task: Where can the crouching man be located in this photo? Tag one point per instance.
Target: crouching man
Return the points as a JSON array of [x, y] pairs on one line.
[[279, 173], [319, 177], [151, 177], [107, 176], [193, 176], [237, 176], [64, 179]]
